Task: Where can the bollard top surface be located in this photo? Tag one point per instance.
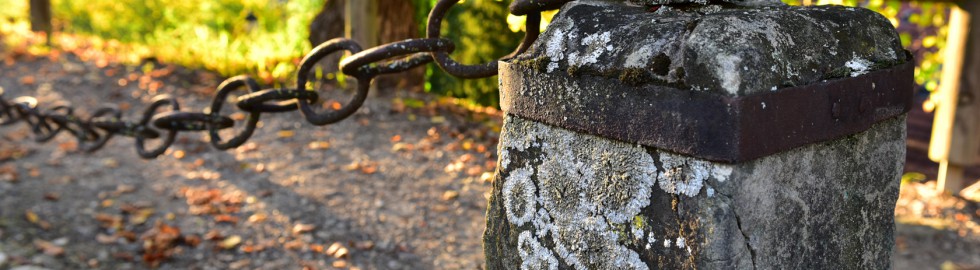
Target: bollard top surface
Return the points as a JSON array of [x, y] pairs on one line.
[[734, 51], [722, 83]]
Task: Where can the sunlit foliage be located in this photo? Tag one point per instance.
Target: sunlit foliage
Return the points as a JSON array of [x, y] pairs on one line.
[[213, 34], [481, 34]]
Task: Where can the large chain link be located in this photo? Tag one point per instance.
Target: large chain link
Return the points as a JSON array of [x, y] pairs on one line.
[[163, 119]]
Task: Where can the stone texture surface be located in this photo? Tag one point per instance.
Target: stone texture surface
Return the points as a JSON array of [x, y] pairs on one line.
[[564, 200], [707, 2], [732, 50], [567, 200]]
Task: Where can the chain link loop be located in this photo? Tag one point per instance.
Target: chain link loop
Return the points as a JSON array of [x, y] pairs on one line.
[[94, 132]]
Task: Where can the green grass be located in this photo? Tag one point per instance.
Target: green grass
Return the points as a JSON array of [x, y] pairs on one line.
[[213, 35]]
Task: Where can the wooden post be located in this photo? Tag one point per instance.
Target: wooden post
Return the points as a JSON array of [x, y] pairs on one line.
[[956, 130], [362, 22], [41, 17]]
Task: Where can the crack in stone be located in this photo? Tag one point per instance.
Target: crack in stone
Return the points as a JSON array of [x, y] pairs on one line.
[[738, 222]]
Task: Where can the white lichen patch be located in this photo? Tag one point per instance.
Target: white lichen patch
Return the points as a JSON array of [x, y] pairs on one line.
[[584, 185], [727, 71], [504, 158], [519, 200], [533, 254], [858, 66], [682, 175], [595, 45], [650, 239], [686, 175], [555, 48], [721, 172], [590, 244], [584, 194], [584, 176], [637, 233], [639, 58]]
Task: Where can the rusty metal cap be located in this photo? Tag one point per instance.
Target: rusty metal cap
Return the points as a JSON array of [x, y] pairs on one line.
[[722, 84]]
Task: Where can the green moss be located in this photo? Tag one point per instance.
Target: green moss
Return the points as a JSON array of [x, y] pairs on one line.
[[573, 71], [623, 232], [537, 63], [639, 222], [633, 76]]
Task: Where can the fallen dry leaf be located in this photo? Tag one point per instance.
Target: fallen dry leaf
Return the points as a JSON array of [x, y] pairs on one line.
[[252, 248], [36, 220], [336, 246], [230, 242], [106, 239], [128, 235], [68, 146], [438, 119], [49, 248], [125, 256], [474, 171], [8, 173], [27, 80], [192, 240], [226, 219], [317, 248], [364, 245], [402, 146], [159, 243], [123, 189], [293, 245], [257, 218], [12, 152], [285, 133], [303, 228], [341, 253], [213, 235], [141, 216], [450, 195], [319, 145], [109, 221]]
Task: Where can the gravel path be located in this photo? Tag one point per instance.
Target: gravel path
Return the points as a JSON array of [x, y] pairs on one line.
[[397, 186], [400, 185]]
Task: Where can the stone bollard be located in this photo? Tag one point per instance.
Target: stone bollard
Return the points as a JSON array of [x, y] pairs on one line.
[[709, 137]]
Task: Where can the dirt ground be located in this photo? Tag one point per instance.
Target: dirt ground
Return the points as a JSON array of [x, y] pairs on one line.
[[400, 185]]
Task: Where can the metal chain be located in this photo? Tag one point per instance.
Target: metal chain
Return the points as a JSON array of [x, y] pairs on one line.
[[95, 131]]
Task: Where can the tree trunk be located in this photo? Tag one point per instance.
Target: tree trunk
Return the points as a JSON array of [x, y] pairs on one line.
[[328, 24], [41, 15], [391, 21], [398, 23]]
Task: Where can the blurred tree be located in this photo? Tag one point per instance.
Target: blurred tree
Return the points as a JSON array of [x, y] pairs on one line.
[[329, 23], [41, 17], [386, 21], [480, 31]]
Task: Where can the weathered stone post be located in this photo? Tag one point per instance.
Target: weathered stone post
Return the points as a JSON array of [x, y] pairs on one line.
[[714, 137]]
